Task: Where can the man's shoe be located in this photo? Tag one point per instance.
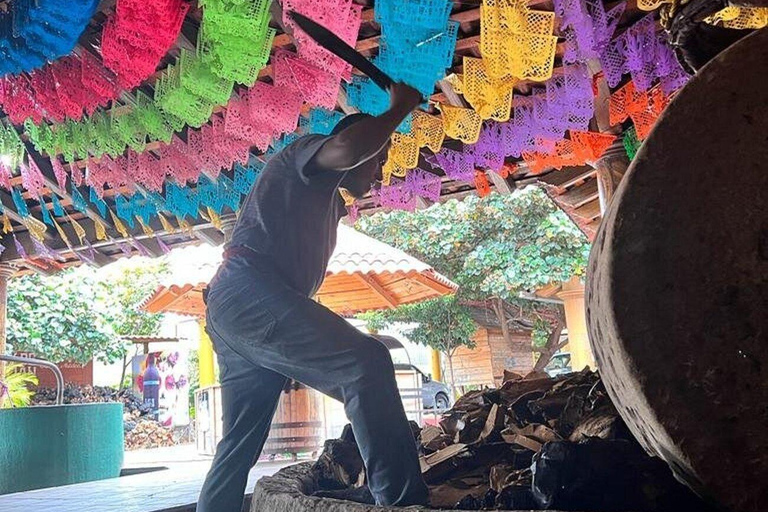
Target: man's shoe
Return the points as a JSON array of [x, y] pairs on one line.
[[358, 495]]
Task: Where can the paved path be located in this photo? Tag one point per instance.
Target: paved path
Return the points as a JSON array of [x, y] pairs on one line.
[[174, 489]]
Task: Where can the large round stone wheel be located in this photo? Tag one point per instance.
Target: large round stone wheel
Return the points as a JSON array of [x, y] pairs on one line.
[[677, 294]]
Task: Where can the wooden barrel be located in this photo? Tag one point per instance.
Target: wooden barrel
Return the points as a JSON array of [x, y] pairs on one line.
[[298, 425], [677, 288]]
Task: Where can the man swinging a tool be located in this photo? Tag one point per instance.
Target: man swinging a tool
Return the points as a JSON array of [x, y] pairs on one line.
[[266, 328]]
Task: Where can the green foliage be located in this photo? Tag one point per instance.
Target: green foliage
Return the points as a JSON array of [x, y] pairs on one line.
[[444, 324], [15, 387], [497, 246], [82, 313], [128, 291], [541, 331], [60, 318]]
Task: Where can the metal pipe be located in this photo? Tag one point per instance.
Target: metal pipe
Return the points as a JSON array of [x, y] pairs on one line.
[[531, 296], [46, 364]]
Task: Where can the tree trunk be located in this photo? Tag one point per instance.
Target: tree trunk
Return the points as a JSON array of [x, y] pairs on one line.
[[122, 374], [552, 346], [501, 314], [127, 362], [449, 355]]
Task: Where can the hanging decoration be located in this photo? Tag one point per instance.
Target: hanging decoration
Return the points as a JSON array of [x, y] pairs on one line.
[[34, 32], [233, 45], [58, 210], [631, 143], [18, 201], [740, 18], [587, 27], [646, 55], [735, 17], [320, 121], [395, 196], [416, 47], [428, 130], [44, 211], [643, 107], [19, 248], [423, 184], [517, 41], [135, 37], [11, 148], [461, 123], [582, 148], [457, 165], [491, 97]]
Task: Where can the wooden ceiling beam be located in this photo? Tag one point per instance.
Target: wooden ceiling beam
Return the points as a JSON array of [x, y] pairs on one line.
[[212, 237], [568, 177], [371, 282], [432, 284], [581, 195]]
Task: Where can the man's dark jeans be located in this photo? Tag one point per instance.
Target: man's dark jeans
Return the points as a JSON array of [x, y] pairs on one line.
[[264, 332]]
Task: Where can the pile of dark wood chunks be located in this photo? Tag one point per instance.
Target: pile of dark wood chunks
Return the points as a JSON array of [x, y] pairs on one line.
[[535, 443]]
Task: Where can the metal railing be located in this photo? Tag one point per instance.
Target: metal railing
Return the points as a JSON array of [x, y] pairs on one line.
[[46, 364]]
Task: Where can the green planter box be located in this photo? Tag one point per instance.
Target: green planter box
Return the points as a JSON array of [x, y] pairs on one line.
[[59, 445]]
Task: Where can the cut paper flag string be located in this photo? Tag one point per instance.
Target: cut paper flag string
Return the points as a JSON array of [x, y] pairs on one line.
[[164, 248], [143, 251], [517, 41], [19, 248], [87, 255], [18, 201], [58, 210], [125, 248], [100, 229], [45, 252], [36, 228], [62, 234], [79, 230], [44, 211], [167, 226]]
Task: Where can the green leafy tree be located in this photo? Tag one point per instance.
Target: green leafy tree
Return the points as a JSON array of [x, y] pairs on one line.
[[496, 248], [83, 313], [444, 324], [15, 387], [63, 317], [129, 287]]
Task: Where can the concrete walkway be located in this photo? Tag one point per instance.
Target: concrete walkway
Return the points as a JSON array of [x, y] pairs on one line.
[[173, 489]]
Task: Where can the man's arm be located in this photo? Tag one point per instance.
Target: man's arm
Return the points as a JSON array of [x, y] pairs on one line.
[[364, 139]]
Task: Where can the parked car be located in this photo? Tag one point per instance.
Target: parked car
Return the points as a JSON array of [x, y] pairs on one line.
[[434, 394], [559, 365]]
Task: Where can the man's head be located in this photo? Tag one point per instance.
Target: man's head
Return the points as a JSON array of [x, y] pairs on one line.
[[360, 179]]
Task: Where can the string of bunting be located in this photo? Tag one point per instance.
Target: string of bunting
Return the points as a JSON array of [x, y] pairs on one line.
[[416, 46], [735, 17], [134, 39], [233, 45], [645, 54], [33, 32]]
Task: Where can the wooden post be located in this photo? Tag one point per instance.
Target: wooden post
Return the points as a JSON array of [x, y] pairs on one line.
[[6, 271], [610, 169], [437, 370], [576, 323], [205, 358]]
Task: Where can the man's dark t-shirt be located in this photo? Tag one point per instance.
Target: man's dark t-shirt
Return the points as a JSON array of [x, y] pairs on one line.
[[292, 213]]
